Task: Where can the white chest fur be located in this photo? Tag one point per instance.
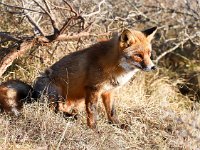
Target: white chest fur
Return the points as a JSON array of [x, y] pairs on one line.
[[120, 80], [125, 77], [117, 81], [129, 71]]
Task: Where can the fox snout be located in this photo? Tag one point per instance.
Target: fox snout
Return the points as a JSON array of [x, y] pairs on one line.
[[153, 68], [149, 68], [147, 65], [130, 63]]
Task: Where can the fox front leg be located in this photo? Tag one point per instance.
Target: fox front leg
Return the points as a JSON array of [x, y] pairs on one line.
[[109, 106], [108, 102], [91, 100]]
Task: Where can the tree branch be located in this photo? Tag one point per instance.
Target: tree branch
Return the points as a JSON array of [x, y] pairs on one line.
[[18, 51], [9, 37], [32, 22], [22, 8], [176, 46], [71, 8], [14, 54], [26, 43], [65, 37], [53, 23]]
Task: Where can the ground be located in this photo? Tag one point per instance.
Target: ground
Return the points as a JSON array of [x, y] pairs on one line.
[[158, 117]]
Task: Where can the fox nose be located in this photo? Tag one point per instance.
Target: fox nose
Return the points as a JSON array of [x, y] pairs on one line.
[[153, 68]]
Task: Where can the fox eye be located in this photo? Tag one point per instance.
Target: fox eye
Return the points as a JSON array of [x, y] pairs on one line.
[[139, 55]]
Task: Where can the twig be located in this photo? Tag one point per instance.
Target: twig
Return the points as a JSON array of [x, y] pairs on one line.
[[23, 8], [32, 22], [188, 4], [76, 16], [16, 52], [66, 24], [171, 10], [50, 17], [96, 12], [71, 8], [62, 136], [9, 37], [64, 37], [47, 6], [141, 13], [175, 47]]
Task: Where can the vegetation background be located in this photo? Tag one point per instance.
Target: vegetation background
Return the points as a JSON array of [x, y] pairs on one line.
[[161, 107]]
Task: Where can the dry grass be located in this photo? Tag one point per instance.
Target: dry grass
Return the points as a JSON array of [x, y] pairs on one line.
[[159, 118]]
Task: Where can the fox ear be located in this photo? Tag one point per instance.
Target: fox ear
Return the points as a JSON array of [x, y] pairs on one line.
[[126, 37], [149, 33]]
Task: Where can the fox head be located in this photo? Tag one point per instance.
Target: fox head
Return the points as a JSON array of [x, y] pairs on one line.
[[135, 49]]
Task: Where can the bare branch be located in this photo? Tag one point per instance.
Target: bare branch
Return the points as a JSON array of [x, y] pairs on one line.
[[76, 17], [71, 8], [32, 22], [141, 13], [16, 52], [67, 23], [171, 10], [188, 4], [18, 7], [65, 37], [49, 10], [47, 6], [96, 12], [175, 47], [9, 37], [49, 15]]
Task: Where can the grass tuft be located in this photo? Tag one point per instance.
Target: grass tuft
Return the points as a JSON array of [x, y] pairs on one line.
[[158, 117]]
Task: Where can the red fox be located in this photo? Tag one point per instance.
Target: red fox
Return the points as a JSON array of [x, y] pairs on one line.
[[13, 94], [94, 72]]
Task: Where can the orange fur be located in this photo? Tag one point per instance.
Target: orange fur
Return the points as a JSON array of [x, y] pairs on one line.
[[97, 71]]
